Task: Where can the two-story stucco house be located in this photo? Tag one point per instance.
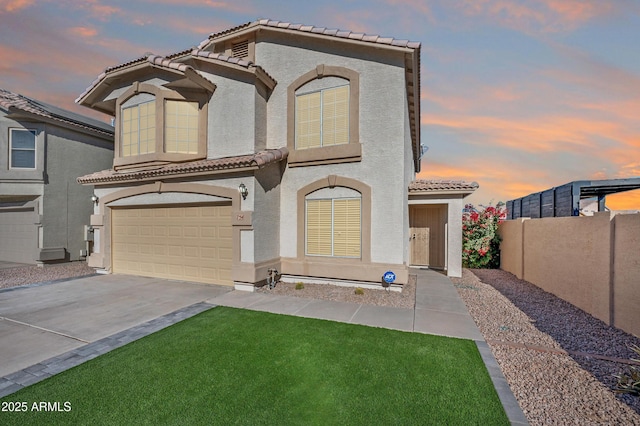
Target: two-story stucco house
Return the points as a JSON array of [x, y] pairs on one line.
[[269, 145], [43, 210]]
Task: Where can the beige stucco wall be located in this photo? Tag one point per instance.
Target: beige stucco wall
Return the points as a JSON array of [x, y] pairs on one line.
[[383, 166], [511, 256], [591, 262], [626, 273], [570, 257]]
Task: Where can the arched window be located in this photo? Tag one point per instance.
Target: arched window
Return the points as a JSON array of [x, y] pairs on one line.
[[323, 117], [333, 223], [157, 124], [138, 125]]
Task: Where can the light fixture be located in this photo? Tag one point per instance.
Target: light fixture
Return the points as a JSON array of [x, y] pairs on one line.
[[95, 199], [243, 191]]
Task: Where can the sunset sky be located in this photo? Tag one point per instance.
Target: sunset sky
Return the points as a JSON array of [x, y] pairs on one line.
[[518, 95]]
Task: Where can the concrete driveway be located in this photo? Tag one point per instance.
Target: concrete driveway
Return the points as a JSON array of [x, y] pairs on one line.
[[41, 322]]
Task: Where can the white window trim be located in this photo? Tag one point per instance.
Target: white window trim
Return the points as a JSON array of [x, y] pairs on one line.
[[35, 148]]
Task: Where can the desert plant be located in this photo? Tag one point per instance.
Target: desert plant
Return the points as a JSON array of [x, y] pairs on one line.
[[630, 382], [480, 239], [359, 291], [299, 285]]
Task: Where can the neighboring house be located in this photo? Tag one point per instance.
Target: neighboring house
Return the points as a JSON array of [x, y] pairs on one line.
[[270, 145], [43, 210]]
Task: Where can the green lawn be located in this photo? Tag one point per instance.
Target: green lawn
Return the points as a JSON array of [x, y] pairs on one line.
[[232, 366]]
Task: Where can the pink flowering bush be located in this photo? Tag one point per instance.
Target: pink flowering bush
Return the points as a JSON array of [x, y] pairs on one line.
[[480, 239]]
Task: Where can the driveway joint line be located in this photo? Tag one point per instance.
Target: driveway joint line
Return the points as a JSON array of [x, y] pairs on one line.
[[46, 329], [355, 313]]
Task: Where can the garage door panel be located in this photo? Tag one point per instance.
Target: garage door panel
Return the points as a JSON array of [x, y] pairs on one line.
[[225, 254], [190, 243]]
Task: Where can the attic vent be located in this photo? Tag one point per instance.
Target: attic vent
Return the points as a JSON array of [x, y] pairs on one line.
[[240, 50]]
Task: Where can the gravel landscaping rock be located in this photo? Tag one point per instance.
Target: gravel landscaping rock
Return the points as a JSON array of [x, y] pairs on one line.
[[12, 277], [549, 351], [404, 299]]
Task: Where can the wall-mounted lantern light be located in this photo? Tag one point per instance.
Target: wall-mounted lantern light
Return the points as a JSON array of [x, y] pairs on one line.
[[95, 199], [242, 189]]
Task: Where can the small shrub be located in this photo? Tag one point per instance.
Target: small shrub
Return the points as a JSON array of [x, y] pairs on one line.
[[630, 382], [299, 286], [359, 291]]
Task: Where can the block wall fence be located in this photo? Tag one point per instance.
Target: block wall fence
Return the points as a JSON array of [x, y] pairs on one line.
[[592, 262]]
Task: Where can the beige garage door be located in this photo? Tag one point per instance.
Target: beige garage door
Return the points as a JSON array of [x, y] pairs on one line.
[[182, 243]]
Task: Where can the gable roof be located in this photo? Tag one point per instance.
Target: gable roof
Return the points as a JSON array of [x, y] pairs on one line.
[[175, 63], [237, 163], [323, 31], [22, 106], [411, 49]]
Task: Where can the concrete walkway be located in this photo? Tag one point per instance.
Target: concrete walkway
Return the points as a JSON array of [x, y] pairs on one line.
[[150, 304]]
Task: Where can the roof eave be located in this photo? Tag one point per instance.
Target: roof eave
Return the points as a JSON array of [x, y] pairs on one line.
[[15, 112], [257, 71], [154, 177], [257, 26], [464, 192], [91, 98]]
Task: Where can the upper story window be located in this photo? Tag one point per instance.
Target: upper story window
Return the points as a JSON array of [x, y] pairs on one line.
[[322, 118], [323, 115], [181, 127], [139, 129], [160, 125], [23, 149]]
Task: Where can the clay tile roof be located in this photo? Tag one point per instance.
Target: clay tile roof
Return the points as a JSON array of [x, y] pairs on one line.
[[156, 60], [14, 102], [316, 30], [220, 57], [224, 58], [257, 160], [422, 185]]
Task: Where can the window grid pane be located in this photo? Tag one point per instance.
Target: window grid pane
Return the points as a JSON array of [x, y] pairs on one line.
[[181, 127], [139, 129], [23, 149]]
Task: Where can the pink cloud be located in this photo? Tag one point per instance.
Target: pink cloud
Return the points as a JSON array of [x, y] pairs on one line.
[[537, 16], [230, 6], [84, 32], [422, 7], [14, 5], [594, 74], [200, 27], [535, 135], [499, 179]]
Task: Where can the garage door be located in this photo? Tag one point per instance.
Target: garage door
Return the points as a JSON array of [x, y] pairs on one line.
[[182, 243], [18, 235]]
